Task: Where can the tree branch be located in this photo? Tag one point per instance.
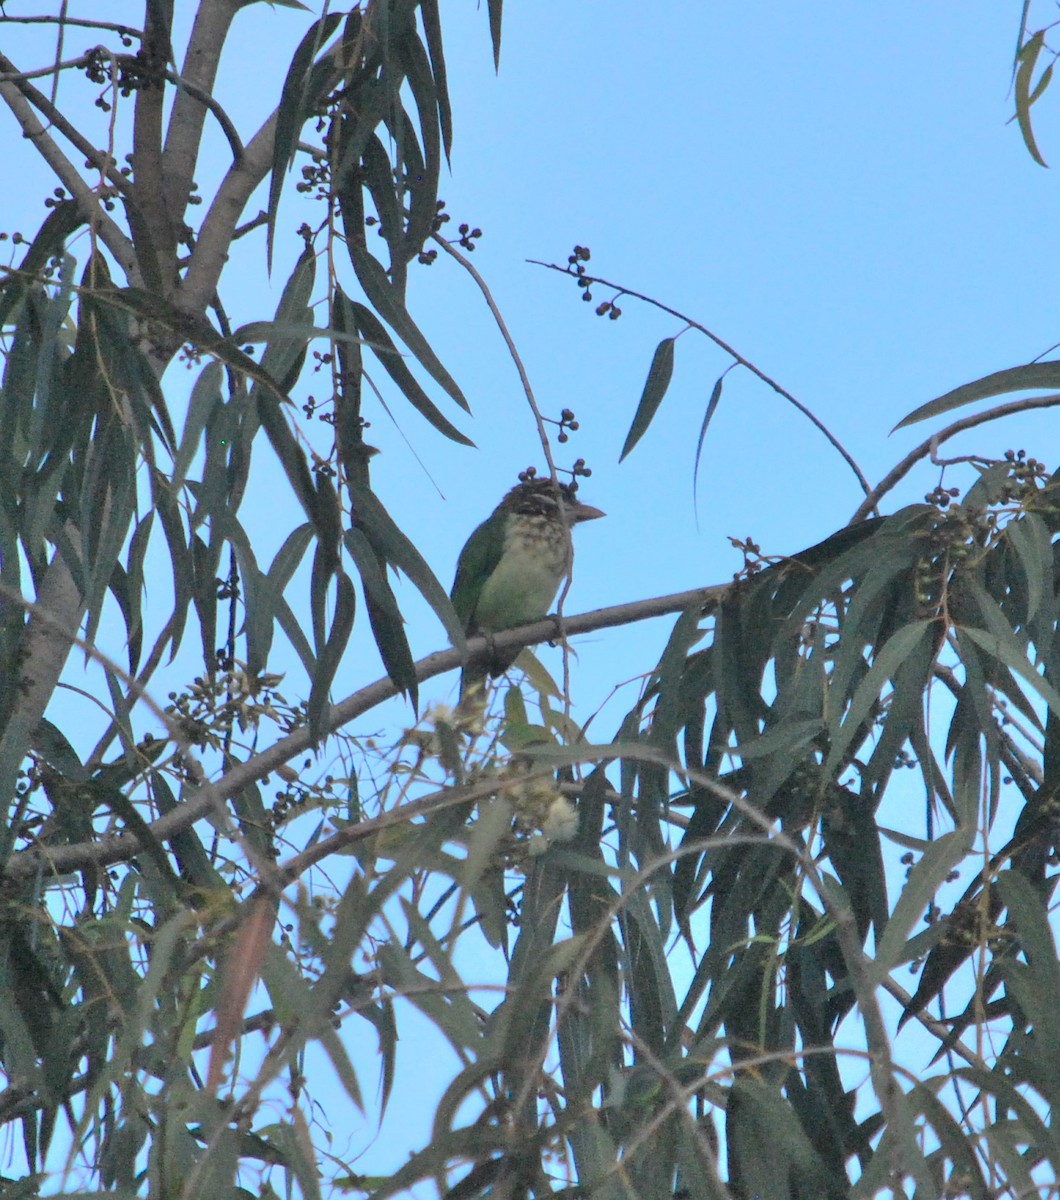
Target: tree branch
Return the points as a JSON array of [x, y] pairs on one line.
[[16, 96], [99, 159], [211, 797], [155, 235], [215, 235], [77, 22], [213, 19], [928, 447], [734, 354]]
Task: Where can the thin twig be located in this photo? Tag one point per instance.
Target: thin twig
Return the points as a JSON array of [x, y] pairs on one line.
[[734, 354], [929, 446], [466, 263], [68, 64], [222, 118], [79, 22]]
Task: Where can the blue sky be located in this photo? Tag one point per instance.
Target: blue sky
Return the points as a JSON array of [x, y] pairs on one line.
[[830, 187]]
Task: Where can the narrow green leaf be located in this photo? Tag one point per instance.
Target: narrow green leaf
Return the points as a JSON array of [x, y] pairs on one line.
[[381, 293], [708, 416], [422, 175], [659, 375], [1031, 920], [495, 7], [1008, 650], [63, 220], [383, 615], [884, 667], [294, 109], [1012, 379], [924, 880], [328, 661], [388, 541], [432, 28], [1030, 538], [1028, 57], [379, 341]]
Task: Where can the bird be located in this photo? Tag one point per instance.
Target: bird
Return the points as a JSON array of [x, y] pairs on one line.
[[510, 568]]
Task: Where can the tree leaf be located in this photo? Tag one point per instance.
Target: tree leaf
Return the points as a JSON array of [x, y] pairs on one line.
[[495, 8], [329, 658], [1012, 379], [924, 880], [295, 107], [382, 294], [708, 416], [380, 343], [1026, 61], [396, 549], [659, 374]]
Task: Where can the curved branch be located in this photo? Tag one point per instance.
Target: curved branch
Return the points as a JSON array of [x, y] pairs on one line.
[[211, 797], [228, 128], [734, 354], [215, 235], [931, 444]]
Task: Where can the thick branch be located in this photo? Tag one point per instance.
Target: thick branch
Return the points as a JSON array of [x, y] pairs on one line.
[[211, 797], [42, 656], [155, 235], [184, 133], [215, 236]]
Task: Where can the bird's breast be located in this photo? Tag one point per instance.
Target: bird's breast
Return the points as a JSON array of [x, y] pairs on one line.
[[536, 556]]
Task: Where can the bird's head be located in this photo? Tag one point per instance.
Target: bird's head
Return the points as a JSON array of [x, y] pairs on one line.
[[543, 498]]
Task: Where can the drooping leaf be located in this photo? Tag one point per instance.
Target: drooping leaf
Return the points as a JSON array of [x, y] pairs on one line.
[[379, 341], [495, 10], [659, 375], [383, 614], [708, 416], [296, 105], [1026, 61]]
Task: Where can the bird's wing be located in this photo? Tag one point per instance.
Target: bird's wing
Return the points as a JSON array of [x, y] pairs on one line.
[[477, 562]]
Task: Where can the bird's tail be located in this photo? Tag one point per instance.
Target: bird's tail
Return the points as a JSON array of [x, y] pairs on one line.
[[473, 679]]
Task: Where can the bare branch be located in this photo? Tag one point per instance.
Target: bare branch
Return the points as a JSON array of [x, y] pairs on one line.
[[928, 447], [77, 22], [155, 233], [67, 65], [734, 354], [223, 119]]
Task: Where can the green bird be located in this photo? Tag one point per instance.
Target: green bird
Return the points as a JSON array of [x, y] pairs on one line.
[[511, 567]]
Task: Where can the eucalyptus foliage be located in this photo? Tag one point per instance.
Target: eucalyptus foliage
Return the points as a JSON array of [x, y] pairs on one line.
[[702, 957]]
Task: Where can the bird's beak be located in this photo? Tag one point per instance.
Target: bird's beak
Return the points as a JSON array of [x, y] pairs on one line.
[[583, 512]]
